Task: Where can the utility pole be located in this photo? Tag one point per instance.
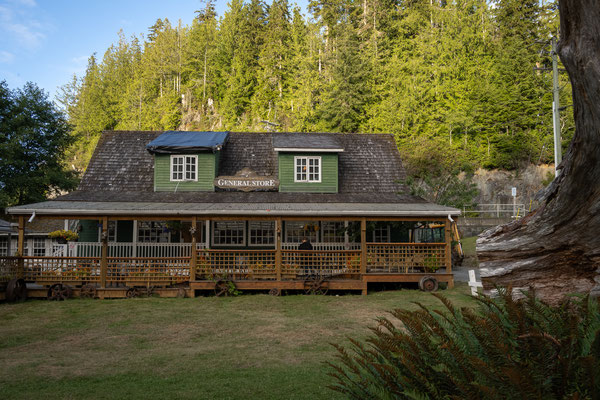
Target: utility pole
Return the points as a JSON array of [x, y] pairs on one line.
[[555, 108]]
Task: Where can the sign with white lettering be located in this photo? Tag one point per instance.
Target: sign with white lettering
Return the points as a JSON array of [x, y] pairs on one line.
[[247, 181]]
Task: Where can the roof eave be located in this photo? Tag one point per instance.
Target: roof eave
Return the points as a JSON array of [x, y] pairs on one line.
[[277, 213]]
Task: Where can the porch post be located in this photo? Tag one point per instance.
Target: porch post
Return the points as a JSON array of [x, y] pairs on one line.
[[363, 252], [135, 238], [21, 242], [20, 247], [194, 255], [104, 259], [448, 252], [278, 248], [207, 234]]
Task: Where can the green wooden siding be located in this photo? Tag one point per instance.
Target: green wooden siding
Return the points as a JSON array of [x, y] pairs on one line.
[[89, 230], [329, 174], [206, 174]]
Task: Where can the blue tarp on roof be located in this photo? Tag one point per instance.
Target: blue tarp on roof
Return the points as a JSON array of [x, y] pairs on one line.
[[180, 142]]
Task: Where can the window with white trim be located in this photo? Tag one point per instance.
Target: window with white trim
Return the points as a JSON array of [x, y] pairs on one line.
[[381, 234], [332, 232], [183, 168], [3, 246], [296, 230], [308, 169], [229, 233], [39, 247], [262, 233], [152, 232]]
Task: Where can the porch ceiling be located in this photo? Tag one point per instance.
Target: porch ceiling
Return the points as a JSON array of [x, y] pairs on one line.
[[74, 208]]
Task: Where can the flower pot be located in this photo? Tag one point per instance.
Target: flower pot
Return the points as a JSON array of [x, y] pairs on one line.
[[61, 240]]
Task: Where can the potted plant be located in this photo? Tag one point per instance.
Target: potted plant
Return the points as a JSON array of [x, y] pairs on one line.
[[64, 236]]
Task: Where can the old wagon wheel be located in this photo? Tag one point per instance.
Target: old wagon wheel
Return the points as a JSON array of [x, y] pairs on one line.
[[88, 291], [59, 292], [315, 284], [132, 292], [275, 292], [224, 288], [16, 290], [149, 291], [428, 284]]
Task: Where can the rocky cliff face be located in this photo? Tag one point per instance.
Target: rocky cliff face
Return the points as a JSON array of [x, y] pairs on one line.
[[495, 185]]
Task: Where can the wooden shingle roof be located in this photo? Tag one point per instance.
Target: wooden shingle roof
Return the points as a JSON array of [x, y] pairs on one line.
[[370, 163]]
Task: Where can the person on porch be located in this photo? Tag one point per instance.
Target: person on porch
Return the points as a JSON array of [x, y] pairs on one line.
[[305, 259]]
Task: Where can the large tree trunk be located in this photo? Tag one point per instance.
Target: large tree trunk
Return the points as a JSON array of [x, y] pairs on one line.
[[556, 248]]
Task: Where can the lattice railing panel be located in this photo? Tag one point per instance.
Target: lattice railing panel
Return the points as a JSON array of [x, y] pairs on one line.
[[405, 257], [148, 270], [236, 264], [61, 269], [299, 263], [8, 268]]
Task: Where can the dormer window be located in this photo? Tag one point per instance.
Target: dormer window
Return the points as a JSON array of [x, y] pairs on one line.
[[308, 169], [183, 168]]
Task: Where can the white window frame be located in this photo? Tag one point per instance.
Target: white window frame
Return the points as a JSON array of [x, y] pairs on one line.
[[38, 246], [185, 164], [260, 223], [308, 159], [152, 230], [388, 234], [4, 246], [292, 228], [213, 230], [332, 228]]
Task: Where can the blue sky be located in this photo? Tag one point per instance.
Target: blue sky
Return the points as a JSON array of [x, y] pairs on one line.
[[47, 41]]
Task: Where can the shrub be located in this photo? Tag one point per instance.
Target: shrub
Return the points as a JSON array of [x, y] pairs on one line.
[[504, 349]]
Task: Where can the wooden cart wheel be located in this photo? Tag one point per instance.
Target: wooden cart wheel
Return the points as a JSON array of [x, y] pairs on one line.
[[132, 292], [428, 284], [88, 291], [275, 292], [224, 288], [16, 290], [315, 285], [59, 292], [181, 293], [149, 291]]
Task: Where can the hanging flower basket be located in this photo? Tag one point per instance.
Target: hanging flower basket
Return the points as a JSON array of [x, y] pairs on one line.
[[64, 236]]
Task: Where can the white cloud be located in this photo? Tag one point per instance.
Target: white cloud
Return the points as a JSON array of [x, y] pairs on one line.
[[6, 57], [26, 3], [18, 25]]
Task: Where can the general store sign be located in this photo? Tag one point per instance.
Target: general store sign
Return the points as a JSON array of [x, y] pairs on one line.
[[246, 181]]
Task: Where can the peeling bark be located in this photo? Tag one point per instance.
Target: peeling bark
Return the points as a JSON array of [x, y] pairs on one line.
[[556, 248]]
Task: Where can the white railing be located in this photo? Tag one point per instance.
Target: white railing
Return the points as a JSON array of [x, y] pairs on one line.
[[323, 246], [495, 210], [94, 249]]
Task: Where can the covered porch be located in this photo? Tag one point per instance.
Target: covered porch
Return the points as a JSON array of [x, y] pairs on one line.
[[180, 255]]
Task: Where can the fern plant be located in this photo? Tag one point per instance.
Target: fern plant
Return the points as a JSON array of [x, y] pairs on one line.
[[503, 349]]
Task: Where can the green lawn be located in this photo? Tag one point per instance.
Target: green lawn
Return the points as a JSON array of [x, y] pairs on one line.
[[251, 346]]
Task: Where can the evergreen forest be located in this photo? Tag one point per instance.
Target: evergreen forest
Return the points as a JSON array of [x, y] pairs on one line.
[[461, 84]]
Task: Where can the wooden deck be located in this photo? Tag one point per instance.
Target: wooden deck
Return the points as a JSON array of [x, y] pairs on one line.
[[225, 271]]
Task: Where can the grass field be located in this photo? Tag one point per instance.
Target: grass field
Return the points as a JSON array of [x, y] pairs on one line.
[[251, 346]]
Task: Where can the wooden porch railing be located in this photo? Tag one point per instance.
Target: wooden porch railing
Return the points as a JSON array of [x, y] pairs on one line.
[[236, 264], [141, 271], [8, 268], [406, 258], [326, 263], [74, 270]]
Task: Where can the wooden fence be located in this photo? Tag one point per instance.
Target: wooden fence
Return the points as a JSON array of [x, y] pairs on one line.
[[212, 264], [404, 258]]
